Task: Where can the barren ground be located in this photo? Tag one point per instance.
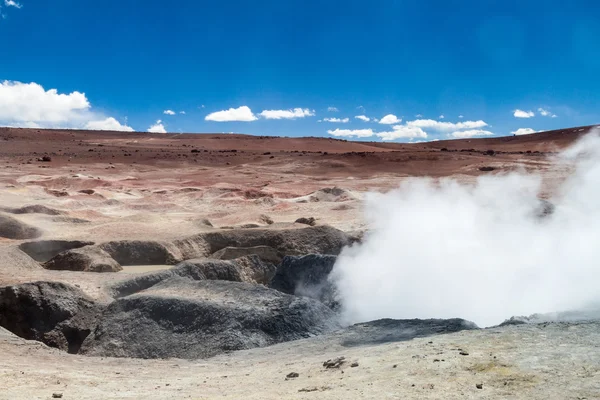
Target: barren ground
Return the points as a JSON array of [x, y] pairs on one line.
[[163, 187]]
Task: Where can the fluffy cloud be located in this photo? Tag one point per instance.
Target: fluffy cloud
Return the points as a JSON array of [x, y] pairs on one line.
[[546, 113], [523, 114], [158, 127], [441, 116], [169, 112], [29, 105], [108, 124], [332, 109], [523, 131], [419, 116], [461, 116], [402, 131], [390, 119], [340, 120], [12, 3], [446, 126], [242, 114], [287, 114], [363, 118], [29, 102], [470, 133], [182, 112], [352, 132]]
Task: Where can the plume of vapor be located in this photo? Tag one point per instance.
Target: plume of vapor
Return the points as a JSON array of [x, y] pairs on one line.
[[481, 252]]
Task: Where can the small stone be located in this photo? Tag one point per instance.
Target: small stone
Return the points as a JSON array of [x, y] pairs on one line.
[[354, 364], [479, 385], [292, 375], [463, 353], [335, 363], [436, 360], [395, 365], [57, 395]]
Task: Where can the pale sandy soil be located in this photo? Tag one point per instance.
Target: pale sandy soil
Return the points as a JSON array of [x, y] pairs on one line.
[[554, 361]]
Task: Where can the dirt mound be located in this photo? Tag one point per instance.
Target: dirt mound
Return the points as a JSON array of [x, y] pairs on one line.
[[333, 194], [88, 258], [244, 269], [306, 240], [54, 313], [44, 250], [36, 209], [265, 253], [307, 276], [11, 228], [137, 252], [196, 319]]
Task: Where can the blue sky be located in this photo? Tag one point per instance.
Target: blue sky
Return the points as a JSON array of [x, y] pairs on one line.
[[121, 64]]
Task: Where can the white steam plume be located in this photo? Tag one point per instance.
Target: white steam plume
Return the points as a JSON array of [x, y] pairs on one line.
[[479, 252]]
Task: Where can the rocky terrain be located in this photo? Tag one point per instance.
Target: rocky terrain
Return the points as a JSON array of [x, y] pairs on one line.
[[196, 266]]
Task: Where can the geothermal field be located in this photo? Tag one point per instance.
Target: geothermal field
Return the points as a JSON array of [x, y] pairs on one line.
[[205, 266]]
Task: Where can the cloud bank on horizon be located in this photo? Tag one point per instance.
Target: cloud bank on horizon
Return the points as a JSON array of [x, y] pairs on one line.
[[30, 105]]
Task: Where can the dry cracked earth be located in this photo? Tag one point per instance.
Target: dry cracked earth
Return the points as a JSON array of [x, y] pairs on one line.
[[169, 266]]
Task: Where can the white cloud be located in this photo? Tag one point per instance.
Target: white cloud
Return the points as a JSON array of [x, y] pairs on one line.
[[12, 3], [24, 102], [352, 132], [158, 127], [402, 131], [169, 112], [363, 118], [546, 113], [242, 114], [108, 124], [418, 116], [340, 120], [461, 116], [523, 131], [182, 112], [287, 114], [470, 133], [441, 116], [446, 126], [30, 105], [523, 114], [390, 119], [332, 109]]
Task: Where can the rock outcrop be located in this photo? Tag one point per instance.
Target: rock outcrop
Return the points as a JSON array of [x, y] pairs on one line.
[[139, 252], [183, 318], [248, 269], [265, 253], [54, 313], [88, 258], [44, 250]]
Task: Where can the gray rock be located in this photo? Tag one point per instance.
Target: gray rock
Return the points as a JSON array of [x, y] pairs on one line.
[[244, 269], [307, 276], [265, 253], [399, 330], [191, 319], [54, 313], [12, 228], [87, 258]]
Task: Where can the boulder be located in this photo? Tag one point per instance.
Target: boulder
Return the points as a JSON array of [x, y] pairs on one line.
[[54, 313], [88, 258], [244, 269], [12, 228], [307, 276], [265, 253], [190, 319], [138, 252], [306, 221]]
